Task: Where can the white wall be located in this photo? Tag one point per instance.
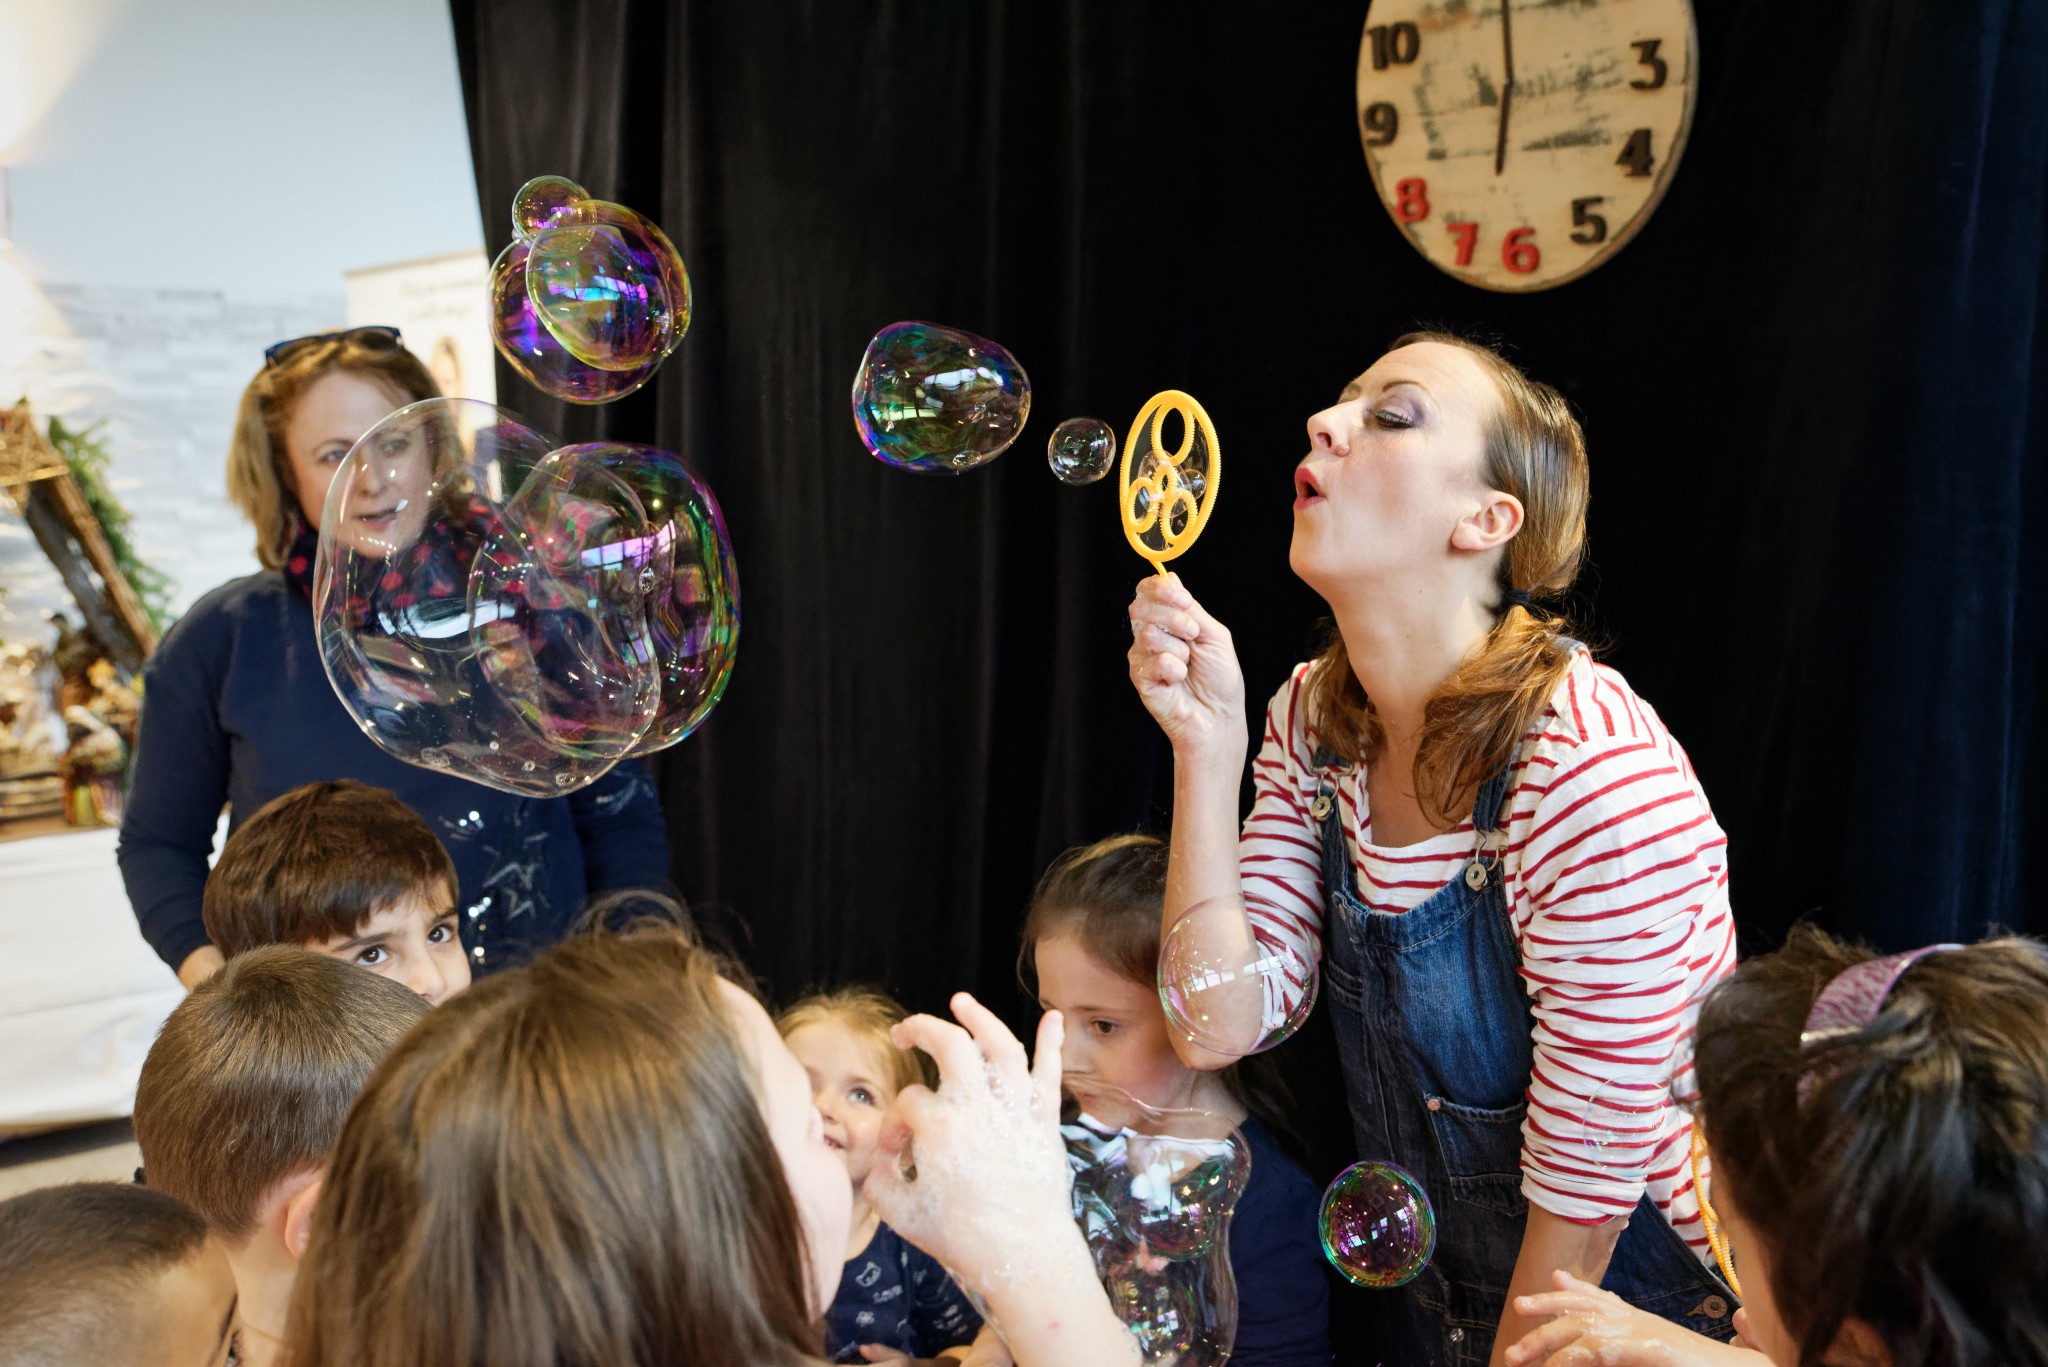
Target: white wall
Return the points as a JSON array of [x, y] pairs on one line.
[[189, 181]]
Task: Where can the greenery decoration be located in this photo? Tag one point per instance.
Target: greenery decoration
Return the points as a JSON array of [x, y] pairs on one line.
[[89, 460]]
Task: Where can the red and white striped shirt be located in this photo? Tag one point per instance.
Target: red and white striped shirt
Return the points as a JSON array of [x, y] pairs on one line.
[[1616, 877]]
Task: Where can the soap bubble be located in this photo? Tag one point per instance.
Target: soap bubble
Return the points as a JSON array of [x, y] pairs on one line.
[[1626, 1115], [1153, 1193], [1377, 1225], [522, 615], [590, 297], [1225, 989], [935, 400], [1081, 450], [691, 583], [539, 200]]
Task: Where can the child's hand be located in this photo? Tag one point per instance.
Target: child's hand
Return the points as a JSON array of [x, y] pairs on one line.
[[882, 1352], [1595, 1328]]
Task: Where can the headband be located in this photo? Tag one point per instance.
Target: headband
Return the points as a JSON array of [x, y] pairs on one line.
[[1852, 1000]]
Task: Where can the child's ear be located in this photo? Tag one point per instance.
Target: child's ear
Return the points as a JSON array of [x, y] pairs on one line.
[[1858, 1345], [298, 1216]]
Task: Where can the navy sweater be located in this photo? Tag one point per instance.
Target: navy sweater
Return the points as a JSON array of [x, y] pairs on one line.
[[237, 710], [1283, 1284]]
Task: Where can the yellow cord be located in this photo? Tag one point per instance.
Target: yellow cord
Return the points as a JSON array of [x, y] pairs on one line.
[[1168, 488], [1715, 1239]]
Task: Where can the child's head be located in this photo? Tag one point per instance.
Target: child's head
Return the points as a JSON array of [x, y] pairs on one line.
[[1091, 945], [103, 1272], [607, 1155], [842, 1040], [345, 870], [1897, 1212], [243, 1094]]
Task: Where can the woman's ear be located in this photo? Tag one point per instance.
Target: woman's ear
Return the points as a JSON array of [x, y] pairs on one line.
[[298, 1217], [1492, 525]]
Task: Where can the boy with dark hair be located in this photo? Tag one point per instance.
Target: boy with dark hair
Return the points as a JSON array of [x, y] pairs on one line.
[[242, 1098], [348, 871], [104, 1272]]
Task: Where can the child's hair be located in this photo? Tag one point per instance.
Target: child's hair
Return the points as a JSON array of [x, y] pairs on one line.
[[72, 1260], [318, 862], [1909, 1189], [1111, 894], [253, 1074], [567, 1163], [870, 1013]]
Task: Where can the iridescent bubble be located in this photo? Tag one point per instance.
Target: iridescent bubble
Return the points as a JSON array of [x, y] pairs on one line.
[[1377, 1225], [1623, 1121], [1227, 990], [589, 298], [1153, 1193], [935, 400], [454, 619], [1081, 450], [539, 200], [687, 578]]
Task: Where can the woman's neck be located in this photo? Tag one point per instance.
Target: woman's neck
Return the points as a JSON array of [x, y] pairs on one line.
[[1404, 641]]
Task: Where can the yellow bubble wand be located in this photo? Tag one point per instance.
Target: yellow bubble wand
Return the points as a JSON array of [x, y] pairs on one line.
[[1167, 498]]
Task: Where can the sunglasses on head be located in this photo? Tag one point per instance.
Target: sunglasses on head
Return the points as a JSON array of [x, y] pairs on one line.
[[378, 338]]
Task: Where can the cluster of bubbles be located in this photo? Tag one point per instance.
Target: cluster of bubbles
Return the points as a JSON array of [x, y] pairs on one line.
[[1081, 450], [1153, 1193], [495, 605], [589, 298], [1377, 1225], [1224, 988]]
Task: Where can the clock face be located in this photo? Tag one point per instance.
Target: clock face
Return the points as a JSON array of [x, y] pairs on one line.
[[1520, 143]]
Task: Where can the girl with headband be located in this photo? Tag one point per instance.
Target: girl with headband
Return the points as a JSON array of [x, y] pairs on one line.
[[1880, 1166], [1500, 860]]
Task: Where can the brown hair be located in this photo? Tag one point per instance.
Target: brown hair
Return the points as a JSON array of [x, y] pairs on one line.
[[252, 1075], [1111, 895], [1471, 725], [566, 1164], [1910, 1189], [316, 863], [259, 482], [870, 1013], [72, 1259]]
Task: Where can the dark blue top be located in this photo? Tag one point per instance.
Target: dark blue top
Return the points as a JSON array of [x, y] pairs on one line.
[[237, 709], [1276, 1252], [897, 1296]]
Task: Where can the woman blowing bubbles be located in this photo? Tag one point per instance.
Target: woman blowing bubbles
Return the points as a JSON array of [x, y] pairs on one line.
[[1499, 859]]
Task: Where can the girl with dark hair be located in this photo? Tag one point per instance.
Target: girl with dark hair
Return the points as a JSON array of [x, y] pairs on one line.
[[1498, 858], [1879, 1129], [1091, 949], [239, 709]]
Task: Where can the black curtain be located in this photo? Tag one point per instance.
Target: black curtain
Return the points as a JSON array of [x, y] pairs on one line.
[[1813, 386]]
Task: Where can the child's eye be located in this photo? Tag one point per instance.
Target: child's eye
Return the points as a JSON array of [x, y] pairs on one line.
[[374, 955], [440, 935], [861, 1095], [1102, 1027]]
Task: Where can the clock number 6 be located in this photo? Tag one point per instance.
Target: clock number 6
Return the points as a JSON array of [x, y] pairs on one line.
[[1411, 200], [1646, 55], [1518, 253], [1591, 227]]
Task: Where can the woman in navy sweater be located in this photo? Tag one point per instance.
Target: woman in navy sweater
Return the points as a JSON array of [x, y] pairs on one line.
[[238, 709]]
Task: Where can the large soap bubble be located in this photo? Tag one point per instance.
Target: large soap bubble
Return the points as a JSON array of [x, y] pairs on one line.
[[1153, 1192], [692, 586], [1377, 1225], [1227, 990], [1081, 450], [935, 400], [589, 297]]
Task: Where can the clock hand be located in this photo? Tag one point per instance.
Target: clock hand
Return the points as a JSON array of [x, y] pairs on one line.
[[1507, 89]]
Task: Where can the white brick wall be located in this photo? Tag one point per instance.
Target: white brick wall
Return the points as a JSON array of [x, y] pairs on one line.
[[164, 370]]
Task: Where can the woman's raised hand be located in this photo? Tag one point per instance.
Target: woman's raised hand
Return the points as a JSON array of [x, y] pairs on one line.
[[1186, 672]]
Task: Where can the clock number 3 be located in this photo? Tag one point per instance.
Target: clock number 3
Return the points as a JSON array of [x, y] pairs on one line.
[[1646, 55]]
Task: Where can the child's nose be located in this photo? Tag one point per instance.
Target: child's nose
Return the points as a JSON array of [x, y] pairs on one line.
[[427, 979]]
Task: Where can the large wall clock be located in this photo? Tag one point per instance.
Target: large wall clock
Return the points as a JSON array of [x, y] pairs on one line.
[[1520, 143]]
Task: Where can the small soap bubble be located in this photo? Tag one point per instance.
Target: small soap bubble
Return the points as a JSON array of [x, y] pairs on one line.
[[589, 298], [1227, 990], [1081, 450], [538, 201], [1377, 1225], [935, 400], [1624, 1121], [1153, 1193]]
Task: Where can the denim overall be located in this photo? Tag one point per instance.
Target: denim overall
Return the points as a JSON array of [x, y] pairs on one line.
[[1434, 1030]]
